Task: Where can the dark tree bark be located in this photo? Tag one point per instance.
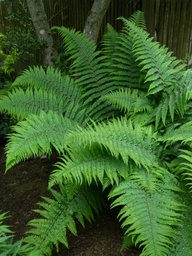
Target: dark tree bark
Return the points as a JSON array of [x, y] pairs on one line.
[[95, 18], [43, 32]]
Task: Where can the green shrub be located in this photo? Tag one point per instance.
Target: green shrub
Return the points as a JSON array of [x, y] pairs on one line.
[[121, 122]]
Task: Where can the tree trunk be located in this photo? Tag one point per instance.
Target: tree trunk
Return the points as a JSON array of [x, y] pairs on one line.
[[43, 32], [95, 18]]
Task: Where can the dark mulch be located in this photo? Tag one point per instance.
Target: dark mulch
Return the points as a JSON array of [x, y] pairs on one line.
[[22, 187]]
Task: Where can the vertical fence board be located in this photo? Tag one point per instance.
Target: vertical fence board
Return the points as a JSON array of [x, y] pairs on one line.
[[170, 21]]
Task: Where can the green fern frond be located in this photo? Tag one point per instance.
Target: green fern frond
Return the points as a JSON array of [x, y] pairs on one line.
[[101, 110], [149, 215], [138, 19], [88, 165], [167, 104], [109, 42], [60, 214], [182, 245], [87, 63], [7, 246], [180, 133], [184, 95], [142, 118], [89, 69], [120, 138], [48, 90], [162, 71], [124, 70], [184, 168], [174, 103], [21, 103], [187, 83], [129, 101], [37, 135], [50, 80]]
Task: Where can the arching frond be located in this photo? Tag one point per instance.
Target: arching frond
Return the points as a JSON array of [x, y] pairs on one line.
[[89, 165], [120, 138], [20, 103], [109, 42], [149, 215], [88, 67], [59, 214], [124, 70], [180, 133], [50, 80], [162, 70], [37, 135], [63, 88], [89, 70], [138, 19]]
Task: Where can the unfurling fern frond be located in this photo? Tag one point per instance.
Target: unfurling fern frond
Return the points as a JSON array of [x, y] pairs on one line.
[[89, 165], [71, 204], [120, 138], [149, 215], [37, 135]]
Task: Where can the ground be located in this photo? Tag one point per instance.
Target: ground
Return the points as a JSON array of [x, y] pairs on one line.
[[22, 187]]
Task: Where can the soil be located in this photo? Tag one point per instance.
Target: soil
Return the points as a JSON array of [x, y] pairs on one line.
[[22, 187]]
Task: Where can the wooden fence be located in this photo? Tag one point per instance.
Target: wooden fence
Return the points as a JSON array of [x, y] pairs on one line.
[[169, 21]]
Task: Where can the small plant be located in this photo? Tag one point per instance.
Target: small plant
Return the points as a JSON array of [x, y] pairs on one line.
[[7, 246], [121, 123]]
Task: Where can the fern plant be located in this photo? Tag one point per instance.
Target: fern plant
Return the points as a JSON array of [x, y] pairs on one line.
[[7, 246], [121, 123]]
